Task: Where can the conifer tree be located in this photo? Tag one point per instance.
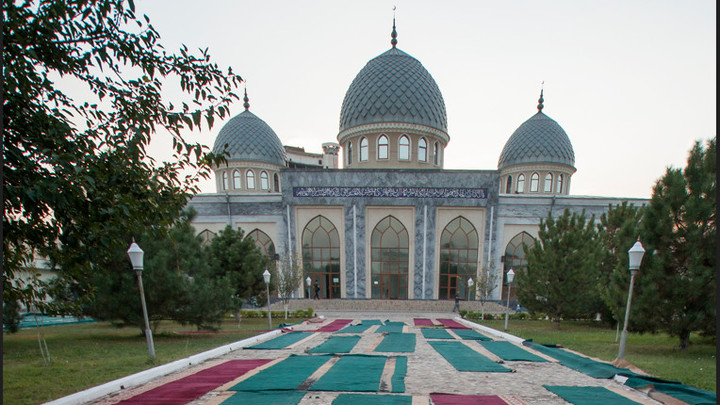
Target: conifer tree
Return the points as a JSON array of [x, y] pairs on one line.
[[562, 270], [677, 275]]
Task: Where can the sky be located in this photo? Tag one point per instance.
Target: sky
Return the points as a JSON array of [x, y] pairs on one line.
[[633, 83]]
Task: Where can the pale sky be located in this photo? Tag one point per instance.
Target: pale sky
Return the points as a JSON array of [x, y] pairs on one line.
[[633, 83]]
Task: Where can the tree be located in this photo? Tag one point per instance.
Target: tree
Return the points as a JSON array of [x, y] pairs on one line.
[[676, 281], [64, 158], [176, 278], [486, 281], [562, 270], [232, 256], [288, 277], [618, 230]]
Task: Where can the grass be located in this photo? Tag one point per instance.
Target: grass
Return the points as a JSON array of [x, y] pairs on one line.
[[658, 354], [86, 355]]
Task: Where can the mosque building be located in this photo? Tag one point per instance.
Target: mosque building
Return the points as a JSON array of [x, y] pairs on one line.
[[392, 223]]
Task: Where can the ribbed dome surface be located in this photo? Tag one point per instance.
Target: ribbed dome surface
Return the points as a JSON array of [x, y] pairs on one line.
[[393, 87], [538, 140], [250, 138]]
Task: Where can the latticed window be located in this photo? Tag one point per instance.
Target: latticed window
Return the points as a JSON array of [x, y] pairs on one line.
[[263, 242], [508, 185], [321, 256], [349, 153], [276, 182], [390, 259], [363, 149], [534, 180], [382, 147], [236, 180], [250, 179], [436, 154], [404, 148], [422, 150], [547, 185], [515, 257], [458, 259], [264, 181], [224, 181]]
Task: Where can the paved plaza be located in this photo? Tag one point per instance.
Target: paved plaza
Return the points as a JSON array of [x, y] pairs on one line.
[[428, 372]]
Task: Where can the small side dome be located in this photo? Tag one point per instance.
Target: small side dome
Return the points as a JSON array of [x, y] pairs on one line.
[[249, 138], [538, 140]]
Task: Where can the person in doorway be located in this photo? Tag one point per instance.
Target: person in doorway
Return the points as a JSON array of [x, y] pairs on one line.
[[316, 287], [457, 303]]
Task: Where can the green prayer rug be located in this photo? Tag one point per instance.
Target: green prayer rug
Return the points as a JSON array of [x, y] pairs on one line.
[[282, 341], [509, 352], [470, 334], [393, 327], [397, 343], [353, 373], [266, 398], [366, 399], [337, 344], [285, 375], [436, 334], [589, 395], [464, 358]]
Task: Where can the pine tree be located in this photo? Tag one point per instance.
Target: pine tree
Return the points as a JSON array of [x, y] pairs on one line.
[[562, 270], [677, 275]]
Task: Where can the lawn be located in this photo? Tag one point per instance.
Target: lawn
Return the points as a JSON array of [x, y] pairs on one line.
[[658, 354], [86, 355]]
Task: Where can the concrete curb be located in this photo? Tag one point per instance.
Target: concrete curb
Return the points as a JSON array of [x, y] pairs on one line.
[[491, 331], [133, 380]]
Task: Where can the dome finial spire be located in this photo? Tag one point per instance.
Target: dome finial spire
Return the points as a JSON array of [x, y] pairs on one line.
[[393, 41], [246, 100], [541, 99]]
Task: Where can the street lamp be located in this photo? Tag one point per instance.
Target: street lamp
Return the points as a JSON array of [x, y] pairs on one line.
[[308, 281], [470, 284], [635, 255], [266, 276], [136, 258], [510, 277]]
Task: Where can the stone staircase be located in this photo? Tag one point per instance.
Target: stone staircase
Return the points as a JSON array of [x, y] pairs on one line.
[[370, 305]]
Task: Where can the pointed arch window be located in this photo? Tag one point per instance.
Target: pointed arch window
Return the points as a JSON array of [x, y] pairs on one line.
[[321, 256], [382, 147], [459, 246], [404, 148], [508, 185], [559, 188], [521, 183], [515, 258], [363, 149], [263, 242], [548, 183], [264, 181], [206, 236], [349, 153], [422, 150], [390, 255], [250, 180], [436, 154], [534, 180], [224, 181], [276, 183], [236, 180]]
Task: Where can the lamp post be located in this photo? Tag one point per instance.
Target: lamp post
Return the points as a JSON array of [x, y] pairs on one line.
[[470, 284], [136, 258], [266, 277], [635, 255], [510, 277], [308, 282]]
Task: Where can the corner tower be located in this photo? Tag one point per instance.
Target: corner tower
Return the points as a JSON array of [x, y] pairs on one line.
[[393, 115], [538, 158]]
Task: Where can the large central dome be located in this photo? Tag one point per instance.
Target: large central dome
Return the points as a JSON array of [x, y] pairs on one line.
[[393, 87]]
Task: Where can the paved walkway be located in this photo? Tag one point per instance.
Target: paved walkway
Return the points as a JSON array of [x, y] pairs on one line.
[[427, 372]]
